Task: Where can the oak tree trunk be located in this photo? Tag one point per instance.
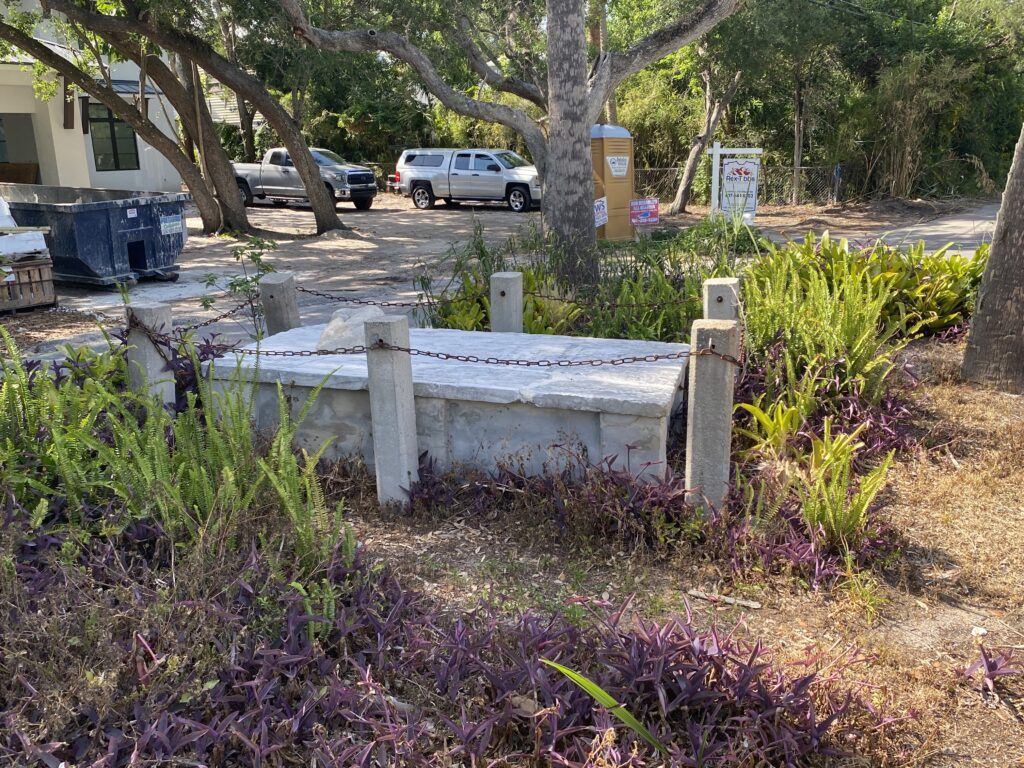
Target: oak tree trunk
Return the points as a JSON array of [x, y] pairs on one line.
[[232, 76], [227, 35], [713, 111], [240, 81], [245, 119], [568, 180], [216, 163], [995, 347]]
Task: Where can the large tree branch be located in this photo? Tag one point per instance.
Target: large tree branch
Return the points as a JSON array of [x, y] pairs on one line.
[[612, 68], [127, 112], [490, 75], [372, 40]]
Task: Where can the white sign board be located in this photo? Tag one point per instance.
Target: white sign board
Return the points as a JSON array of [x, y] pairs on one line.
[[170, 225], [739, 186], [600, 211], [739, 191], [618, 164]]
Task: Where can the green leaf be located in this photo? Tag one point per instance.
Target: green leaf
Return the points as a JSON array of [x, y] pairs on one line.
[[602, 697]]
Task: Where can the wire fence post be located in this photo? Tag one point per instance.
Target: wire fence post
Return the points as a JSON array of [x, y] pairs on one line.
[[722, 298], [147, 367], [507, 302], [392, 409], [280, 302], [709, 411]]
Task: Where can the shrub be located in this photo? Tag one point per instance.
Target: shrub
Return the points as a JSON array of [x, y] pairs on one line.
[[829, 500], [828, 318], [215, 663]]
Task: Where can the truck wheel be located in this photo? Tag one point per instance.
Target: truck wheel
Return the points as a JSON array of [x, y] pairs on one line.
[[423, 197], [363, 205], [245, 192], [519, 199]]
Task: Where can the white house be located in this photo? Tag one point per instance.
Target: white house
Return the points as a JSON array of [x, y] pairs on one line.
[[74, 140]]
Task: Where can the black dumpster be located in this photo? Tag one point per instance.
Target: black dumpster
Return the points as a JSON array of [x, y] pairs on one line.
[[104, 236]]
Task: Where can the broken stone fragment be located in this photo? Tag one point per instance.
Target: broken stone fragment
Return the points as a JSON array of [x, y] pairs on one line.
[[346, 327]]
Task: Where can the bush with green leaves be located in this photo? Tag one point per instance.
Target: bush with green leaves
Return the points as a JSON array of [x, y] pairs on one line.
[[830, 499], [73, 440], [649, 290], [829, 318]]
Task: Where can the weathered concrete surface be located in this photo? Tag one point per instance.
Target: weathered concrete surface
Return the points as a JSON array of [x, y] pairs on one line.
[[709, 412], [392, 409], [147, 368], [477, 414], [280, 302]]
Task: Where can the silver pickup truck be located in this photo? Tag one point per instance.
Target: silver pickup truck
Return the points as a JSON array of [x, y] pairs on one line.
[[277, 179], [456, 175]]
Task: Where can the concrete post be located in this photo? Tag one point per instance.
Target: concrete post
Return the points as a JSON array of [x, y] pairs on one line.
[[709, 412], [722, 298], [280, 302], [147, 368], [507, 302], [392, 410]]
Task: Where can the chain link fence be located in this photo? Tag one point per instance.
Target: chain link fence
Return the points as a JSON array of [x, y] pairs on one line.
[[816, 185]]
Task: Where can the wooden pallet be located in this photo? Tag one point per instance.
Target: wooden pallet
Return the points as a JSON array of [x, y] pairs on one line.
[[26, 284]]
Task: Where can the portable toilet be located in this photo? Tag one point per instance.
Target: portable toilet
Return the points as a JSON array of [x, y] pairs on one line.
[[611, 148]]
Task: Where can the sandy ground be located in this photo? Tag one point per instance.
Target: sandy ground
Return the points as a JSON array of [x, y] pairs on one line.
[[377, 259]]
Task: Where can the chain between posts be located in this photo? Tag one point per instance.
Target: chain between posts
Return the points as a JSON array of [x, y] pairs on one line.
[[583, 303], [163, 338]]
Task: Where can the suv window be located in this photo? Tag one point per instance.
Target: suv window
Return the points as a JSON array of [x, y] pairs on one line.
[[462, 162], [482, 163], [424, 161]]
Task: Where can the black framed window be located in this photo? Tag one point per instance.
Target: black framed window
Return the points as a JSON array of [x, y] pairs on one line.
[[114, 147]]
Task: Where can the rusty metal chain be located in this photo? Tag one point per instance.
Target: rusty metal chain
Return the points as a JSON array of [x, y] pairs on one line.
[[366, 302], [582, 303], [162, 338], [246, 304]]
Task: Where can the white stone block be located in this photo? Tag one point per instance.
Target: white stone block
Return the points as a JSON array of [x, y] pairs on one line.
[[346, 327]]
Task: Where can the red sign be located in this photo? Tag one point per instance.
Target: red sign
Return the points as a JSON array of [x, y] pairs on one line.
[[644, 211]]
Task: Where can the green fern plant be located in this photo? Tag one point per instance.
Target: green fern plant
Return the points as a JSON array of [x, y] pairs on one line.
[[830, 498]]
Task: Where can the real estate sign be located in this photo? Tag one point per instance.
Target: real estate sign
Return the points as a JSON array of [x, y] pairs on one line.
[[734, 176], [739, 186]]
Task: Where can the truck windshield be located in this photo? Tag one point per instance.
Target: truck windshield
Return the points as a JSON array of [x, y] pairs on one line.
[[326, 157], [511, 159]]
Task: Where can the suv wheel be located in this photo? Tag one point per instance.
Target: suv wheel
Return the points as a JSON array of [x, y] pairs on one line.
[[423, 197], [363, 204], [519, 199]]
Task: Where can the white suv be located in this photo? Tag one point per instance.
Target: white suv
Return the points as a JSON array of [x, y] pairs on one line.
[[457, 175]]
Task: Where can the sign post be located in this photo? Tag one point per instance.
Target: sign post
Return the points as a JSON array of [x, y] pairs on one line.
[[734, 180]]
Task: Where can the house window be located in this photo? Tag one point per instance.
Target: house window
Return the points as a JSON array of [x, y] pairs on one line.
[[3, 142], [113, 141]]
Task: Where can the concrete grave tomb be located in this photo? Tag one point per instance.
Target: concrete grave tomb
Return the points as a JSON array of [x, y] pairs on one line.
[[475, 414]]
